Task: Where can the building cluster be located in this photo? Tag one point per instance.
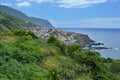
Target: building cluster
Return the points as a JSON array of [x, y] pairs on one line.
[[62, 35]]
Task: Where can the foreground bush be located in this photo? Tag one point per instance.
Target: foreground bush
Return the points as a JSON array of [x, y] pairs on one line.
[[25, 57]]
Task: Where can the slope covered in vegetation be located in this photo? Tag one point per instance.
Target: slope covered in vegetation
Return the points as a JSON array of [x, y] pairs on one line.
[[22, 16], [8, 22], [23, 56]]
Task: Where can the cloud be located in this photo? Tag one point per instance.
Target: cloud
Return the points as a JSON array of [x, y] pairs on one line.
[[6, 4], [23, 4], [88, 23], [79, 3], [70, 3], [41, 1]]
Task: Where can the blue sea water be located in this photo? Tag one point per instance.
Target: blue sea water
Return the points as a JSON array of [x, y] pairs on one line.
[[109, 36]]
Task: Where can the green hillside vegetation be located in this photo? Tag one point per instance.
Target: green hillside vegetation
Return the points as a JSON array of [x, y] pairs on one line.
[[22, 16], [23, 56], [8, 22]]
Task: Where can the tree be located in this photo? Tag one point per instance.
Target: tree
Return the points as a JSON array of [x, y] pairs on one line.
[[73, 48], [32, 34], [53, 40], [62, 46]]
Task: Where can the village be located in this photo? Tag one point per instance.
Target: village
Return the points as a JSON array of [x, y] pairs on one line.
[[62, 35]]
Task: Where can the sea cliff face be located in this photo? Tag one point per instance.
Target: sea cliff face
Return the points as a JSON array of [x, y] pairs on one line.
[[83, 39]]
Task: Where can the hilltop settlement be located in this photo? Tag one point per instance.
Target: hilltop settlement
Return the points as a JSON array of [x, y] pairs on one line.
[[67, 37]]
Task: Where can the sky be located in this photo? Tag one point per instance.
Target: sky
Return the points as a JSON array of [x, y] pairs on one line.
[[71, 13]]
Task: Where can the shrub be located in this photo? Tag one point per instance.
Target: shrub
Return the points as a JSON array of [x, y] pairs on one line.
[[67, 74], [14, 70], [19, 32], [23, 33], [26, 52], [31, 34], [72, 49], [53, 75], [53, 40], [82, 69], [62, 46], [115, 67]]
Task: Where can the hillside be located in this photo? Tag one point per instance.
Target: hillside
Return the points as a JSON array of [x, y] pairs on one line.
[[20, 20], [41, 22], [20, 15], [23, 56], [27, 56], [8, 22]]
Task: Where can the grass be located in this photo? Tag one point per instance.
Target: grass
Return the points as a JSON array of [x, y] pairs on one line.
[[58, 61], [51, 62], [84, 78], [9, 39]]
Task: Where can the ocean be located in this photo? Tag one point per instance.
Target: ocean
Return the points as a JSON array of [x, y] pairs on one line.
[[109, 36]]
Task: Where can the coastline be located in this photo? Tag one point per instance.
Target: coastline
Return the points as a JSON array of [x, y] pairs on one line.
[[109, 36], [67, 37]]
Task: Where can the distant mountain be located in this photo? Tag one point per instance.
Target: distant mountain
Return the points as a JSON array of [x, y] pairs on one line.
[[8, 22], [19, 14], [41, 22]]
